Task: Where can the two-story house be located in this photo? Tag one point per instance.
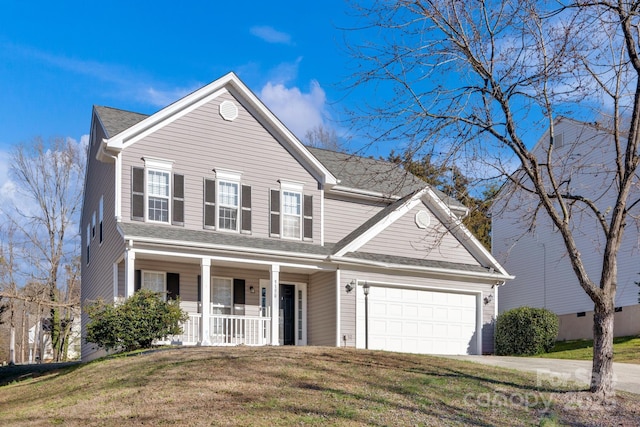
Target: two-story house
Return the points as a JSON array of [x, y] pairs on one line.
[[583, 159], [268, 242]]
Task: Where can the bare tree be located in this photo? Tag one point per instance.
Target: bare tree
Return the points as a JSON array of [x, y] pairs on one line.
[[475, 80], [323, 137], [49, 180]]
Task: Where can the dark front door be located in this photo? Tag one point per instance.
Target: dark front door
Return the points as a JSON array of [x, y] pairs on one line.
[[287, 311]]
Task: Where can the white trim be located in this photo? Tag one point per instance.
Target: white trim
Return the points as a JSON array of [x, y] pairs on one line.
[[156, 163], [360, 193], [118, 191], [381, 225], [436, 270], [479, 309], [232, 259], [115, 281], [293, 186], [274, 284], [338, 307], [228, 175], [322, 217], [205, 283], [130, 271]]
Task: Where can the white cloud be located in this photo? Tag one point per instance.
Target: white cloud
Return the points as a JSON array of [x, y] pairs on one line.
[[270, 34], [298, 110], [162, 98]]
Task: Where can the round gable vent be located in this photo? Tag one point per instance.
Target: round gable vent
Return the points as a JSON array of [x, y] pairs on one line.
[[228, 110], [422, 219]]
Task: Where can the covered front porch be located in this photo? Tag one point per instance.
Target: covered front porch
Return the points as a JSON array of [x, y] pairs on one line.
[[230, 301]]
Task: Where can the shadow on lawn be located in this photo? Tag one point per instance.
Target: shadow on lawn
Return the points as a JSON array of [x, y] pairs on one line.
[[16, 373]]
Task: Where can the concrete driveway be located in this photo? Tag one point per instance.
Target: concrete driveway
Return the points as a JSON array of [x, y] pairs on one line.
[[626, 375]]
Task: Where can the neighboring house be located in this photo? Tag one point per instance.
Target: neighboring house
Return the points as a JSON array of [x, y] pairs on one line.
[[584, 158], [214, 200]]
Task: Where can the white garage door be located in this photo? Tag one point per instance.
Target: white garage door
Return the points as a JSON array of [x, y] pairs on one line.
[[418, 321]]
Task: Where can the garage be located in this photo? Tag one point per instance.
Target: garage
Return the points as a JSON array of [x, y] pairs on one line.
[[412, 320]]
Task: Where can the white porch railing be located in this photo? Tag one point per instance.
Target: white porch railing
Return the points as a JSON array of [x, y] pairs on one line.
[[226, 329], [229, 329], [190, 331]]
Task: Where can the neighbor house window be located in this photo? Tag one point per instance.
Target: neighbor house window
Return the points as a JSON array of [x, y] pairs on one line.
[[93, 225]]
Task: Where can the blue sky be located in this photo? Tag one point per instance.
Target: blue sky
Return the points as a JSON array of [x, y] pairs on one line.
[[60, 58]]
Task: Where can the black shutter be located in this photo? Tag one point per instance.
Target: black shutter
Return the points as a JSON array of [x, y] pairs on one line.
[[209, 203], [199, 288], [274, 220], [178, 199], [307, 211], [173, 286], [245, 224], [138, 280], [238, 291], [137, 194]]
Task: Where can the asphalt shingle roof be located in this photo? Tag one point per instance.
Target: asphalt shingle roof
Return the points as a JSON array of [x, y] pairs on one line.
[[161, 232]]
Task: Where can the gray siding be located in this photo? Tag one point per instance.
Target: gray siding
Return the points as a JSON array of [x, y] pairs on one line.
[[202, 141], [342, 216], [97, 276], [321, 309], [348, 300], [404, 238], [538, 259]]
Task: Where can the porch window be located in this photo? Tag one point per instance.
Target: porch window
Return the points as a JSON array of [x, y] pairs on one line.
[[155, 281], [221, 294]]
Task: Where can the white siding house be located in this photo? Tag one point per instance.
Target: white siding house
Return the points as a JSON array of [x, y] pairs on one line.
[[585, 156]]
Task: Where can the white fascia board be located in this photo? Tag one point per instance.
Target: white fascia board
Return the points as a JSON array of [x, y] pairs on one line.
[[384, 222], [462, 233], [164, 117], [223, 258], [446, 272]]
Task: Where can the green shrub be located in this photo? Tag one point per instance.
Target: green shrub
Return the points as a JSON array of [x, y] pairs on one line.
[[526, 331], [135, 323]]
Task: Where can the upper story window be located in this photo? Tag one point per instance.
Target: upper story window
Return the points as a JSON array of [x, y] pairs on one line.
[[291, 212], [227, 203], [156, 194]]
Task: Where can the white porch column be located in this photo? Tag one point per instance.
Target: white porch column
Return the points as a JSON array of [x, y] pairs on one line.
[[275, 304], [205, 282], [130, 270]]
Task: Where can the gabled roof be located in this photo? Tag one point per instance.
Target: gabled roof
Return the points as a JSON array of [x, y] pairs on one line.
[[115, 121], [228, 83]]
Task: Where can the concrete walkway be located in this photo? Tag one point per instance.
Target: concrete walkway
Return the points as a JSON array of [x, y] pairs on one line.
[[626, 375]]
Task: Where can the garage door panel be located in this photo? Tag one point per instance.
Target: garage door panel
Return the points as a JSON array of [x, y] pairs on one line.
[[420, 321]]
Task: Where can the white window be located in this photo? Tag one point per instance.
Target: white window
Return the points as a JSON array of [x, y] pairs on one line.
[[291, 214], [221, 295], [155, 281], [158, 195], [228, 202], [93, 225]]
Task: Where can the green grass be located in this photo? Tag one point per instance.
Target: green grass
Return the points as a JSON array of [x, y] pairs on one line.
[[282, 386], [625, 349]]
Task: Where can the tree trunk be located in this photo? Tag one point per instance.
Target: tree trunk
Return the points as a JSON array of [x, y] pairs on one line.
[[602, 371]]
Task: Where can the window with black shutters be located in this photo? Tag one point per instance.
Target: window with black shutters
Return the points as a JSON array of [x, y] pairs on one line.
[[209, 203], [178, 200]]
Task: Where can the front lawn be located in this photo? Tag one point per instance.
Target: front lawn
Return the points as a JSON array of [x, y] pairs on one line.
[[625, 349], [272, 386]]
